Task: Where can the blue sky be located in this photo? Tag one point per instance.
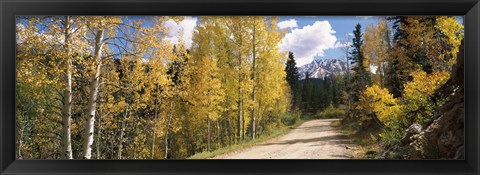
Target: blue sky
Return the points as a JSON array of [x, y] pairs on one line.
[[323, 35]]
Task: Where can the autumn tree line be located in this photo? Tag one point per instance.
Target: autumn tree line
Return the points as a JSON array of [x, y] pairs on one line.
[[108, 87], [410, 67], [396, 68]]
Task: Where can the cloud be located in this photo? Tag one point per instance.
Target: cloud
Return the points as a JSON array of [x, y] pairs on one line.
[[292, 23], [310, 41], [341, 44], [52, 40], [364, 17], [182, 29]]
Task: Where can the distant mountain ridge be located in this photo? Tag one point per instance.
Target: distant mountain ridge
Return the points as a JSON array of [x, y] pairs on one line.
[[323, 68]]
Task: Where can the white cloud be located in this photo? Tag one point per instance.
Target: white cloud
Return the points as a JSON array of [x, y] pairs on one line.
[[292, 23], [182, 29], [364, 17], [350, 34], [52, 40], [341, 44], [310, 41]]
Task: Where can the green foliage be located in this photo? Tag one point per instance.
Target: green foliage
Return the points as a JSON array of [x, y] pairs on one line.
[[361, 77], [293, 80], [291, 118], [418, 92], [392, 135], [331, 112]]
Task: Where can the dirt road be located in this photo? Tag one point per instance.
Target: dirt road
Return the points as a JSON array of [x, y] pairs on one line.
[[314, 139]]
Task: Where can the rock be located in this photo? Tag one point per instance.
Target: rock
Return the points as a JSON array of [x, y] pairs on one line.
[[414, 128], [443, 138], [411, 130]]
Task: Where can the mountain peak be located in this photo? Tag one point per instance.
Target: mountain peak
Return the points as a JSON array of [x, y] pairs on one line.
[[323, 68]]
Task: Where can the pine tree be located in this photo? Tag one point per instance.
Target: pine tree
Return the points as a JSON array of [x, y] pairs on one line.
[[293, 80], [361, 77]]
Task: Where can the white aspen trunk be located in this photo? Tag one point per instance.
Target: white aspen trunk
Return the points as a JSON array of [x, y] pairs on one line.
[[231, 134], [92, 98], [218, 135], [259, 116], [254, 77], [122, 134], [99, 132], [172, 107], [240, 92], [152, 153], [382, 74], [240, 113], [67, 95], [208, 140], [152, 150]]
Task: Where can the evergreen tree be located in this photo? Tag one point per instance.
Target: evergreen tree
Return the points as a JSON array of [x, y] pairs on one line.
[[337, 88], [292, 79], [307, 88], [327, 93], [361, 77]]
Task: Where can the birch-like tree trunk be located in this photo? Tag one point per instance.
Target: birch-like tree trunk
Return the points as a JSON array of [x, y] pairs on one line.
[[92, 98], [67, 94], [240, 94], [172, 107], [254, 78], [219, 135], [209, 136], [99, 132], [122, 134], [152, 153]]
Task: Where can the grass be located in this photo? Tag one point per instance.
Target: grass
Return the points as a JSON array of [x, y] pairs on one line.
[[249, 143], [336, 123], [367, 141], [331, 112]]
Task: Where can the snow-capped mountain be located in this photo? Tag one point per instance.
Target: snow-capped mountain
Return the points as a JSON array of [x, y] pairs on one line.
[[323, 68]]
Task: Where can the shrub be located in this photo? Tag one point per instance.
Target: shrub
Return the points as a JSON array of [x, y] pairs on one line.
[[331, 112], [418, 92], [393, 134], [378, 102], [291, 118]]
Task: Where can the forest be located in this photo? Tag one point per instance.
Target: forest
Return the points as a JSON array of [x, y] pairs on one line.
[[114, 87]]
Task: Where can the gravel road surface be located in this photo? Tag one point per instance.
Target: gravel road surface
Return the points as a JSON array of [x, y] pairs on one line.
[[314, 139]]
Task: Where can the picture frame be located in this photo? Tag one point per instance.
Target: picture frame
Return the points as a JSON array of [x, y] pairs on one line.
[[470, 9]]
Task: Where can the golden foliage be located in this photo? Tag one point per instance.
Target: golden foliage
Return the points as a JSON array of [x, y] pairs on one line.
[[418, 92], [378, 102]]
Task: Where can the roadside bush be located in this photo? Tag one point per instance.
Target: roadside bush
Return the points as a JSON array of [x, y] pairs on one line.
[[393, 134], [291, 118], [378, 103], [331, 112], [418, 105]]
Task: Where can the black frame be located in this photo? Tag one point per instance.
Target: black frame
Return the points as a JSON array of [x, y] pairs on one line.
[[9, 8]]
